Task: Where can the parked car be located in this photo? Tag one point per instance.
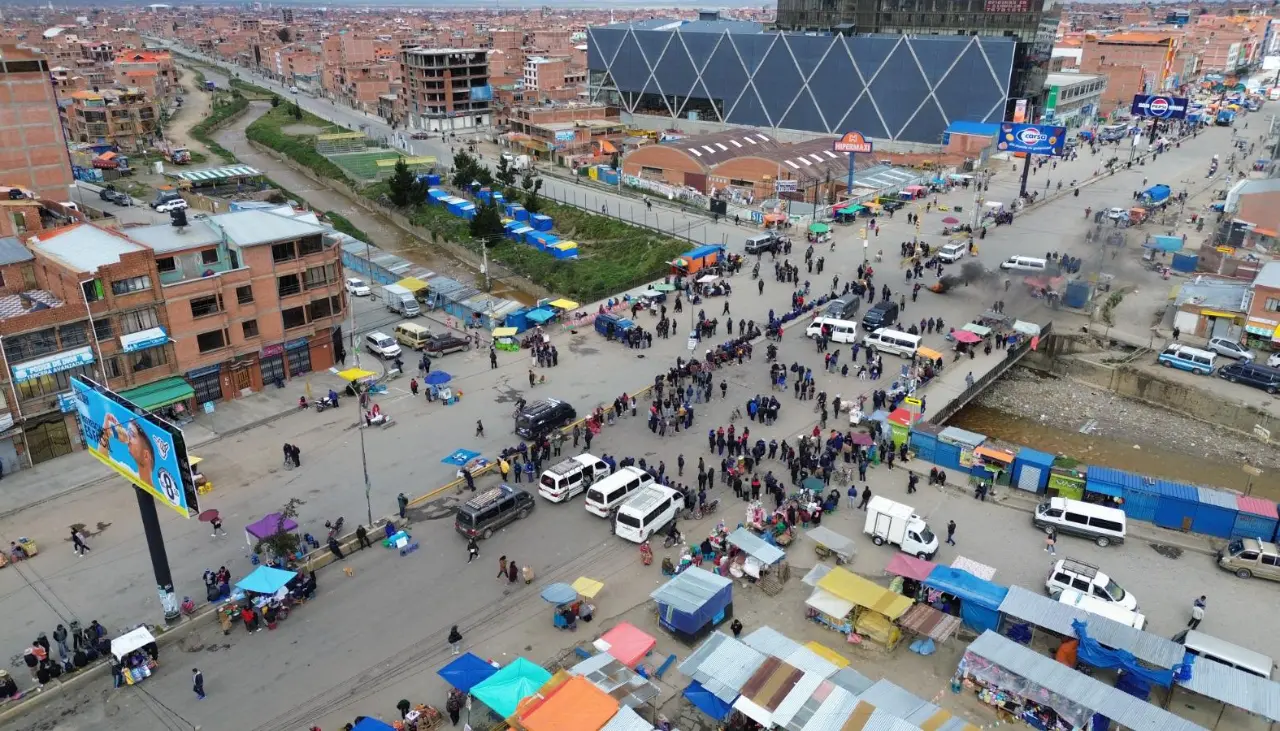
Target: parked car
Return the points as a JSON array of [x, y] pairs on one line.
[[121, 198], [1247, 557], [1115, 214], [1274, 360], [357, 288], [173, 205], [1068, 573], [491, 510], [446, 343], [1230, 348], [107, 192], [1252, 374], [382, 345]]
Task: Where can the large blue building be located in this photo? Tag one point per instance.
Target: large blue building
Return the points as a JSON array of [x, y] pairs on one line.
[[896, 88]]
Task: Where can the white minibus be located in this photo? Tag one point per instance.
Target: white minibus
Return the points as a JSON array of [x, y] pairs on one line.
[[647, 512], [612, 491]]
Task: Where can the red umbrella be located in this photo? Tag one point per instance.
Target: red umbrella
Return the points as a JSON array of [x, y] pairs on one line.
[[949, 220], [965, 336], [208, 516]]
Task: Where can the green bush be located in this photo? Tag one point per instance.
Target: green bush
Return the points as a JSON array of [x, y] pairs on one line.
[[218, 115], [267, 130], [344, 225]]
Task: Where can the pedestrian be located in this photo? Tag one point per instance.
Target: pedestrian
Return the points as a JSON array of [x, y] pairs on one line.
[[912, 480], [455, 639], [362, 538], [1050, 543], [60, 637], [216, 523], [680, 465], [736, 627], [335, 548], [473, 550], [197, 683], [513, 571], [866, 498], [853, 496], [493, 359], [951, 532], [402, 503], [454, 707], [1197, 612], [527, 573], [296, 453], [479, 428], [413, 386], [502, 567], [77, 542], [403, 706]]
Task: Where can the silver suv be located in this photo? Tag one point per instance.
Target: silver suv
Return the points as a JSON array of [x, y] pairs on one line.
[[1230, 348]]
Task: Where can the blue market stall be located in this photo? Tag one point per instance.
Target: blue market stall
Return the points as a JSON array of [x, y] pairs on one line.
[[372, 724], [979, 599], [504, 690], [466, 672], [1177, 506], [693, 602], [1031, 469], [706, 701]]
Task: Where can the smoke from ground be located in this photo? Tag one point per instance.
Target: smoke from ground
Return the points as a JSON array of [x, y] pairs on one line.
[[971, 272]]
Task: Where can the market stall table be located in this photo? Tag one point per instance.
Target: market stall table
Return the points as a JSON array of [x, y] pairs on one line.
[[129, 649], [504, 338], [503, 691], [829, 543], [627, 643]]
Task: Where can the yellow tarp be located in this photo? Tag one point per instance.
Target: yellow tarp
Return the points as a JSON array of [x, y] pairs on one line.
[[564, 304], [877, 628], [194, 460], [828, 654], [413, 284], [587, 587], [862, 592], [504, 332], [929, 353], [355, 374], [564, 246]]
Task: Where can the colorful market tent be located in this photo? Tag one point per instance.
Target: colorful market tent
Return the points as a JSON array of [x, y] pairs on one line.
[[576, 705], [372, 724], [504, 690], [627, 643], [266, 580], [861, 592], [466, 672], [910, 567], [841, 589], [706, 701], [564, 304], [979, 599]]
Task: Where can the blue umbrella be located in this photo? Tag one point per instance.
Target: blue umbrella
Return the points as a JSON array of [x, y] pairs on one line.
[[559, 594], [438, 378]]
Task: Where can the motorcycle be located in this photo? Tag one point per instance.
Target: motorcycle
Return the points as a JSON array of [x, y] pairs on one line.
[[702, 511], [321, 404], [335, 527]]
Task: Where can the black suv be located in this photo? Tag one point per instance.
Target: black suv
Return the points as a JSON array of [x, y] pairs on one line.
[[1252, 374], [444, 344], [492, 509], [539, 418], [844, 308], [892, 205], [882, 314]]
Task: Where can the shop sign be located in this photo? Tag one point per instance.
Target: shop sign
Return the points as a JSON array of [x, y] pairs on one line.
[[786, 186], [66, 402], [1007, 6], [272, 351], [51, 364], [853, 142], [144, 339], [296, 344]]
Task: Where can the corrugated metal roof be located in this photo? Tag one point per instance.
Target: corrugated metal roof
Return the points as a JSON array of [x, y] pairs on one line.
[[627, 720], [1042, 611], [756, 547], [1077, 687], [1234, 687], [12, 251], [852, 681], [833, 711], [895, 699], [882, 720], [816, 573], [801, 692], [690, 589], [811, 662], [722, 665], [1209, 496], [249, 228], [1177, 491], [771, 642], [962, 436], [221, 173], [1119, 477], [617, 680]]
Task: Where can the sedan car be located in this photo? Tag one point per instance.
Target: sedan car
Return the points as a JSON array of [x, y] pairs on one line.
[[1115, 214], [173, 205], [357, 288], [1274, 360], [445, 343], [121, 198], [1230, 348], [107, 193]]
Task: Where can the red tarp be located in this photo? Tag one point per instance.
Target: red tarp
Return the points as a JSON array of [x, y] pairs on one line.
[[910, 567]]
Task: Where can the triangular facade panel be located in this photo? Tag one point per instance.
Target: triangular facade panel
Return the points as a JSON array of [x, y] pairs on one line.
[[864, 118], [604, 42], [752, 48], [835, 85], [936, 55], [804, 115], [749, 110], [700, 91], [700, 46], [779, 79], [723, 76], [969, 92], [924, 127], [628, 67], [808, 54], [870, 53], [653, 43], [675, 72], [898, 89]]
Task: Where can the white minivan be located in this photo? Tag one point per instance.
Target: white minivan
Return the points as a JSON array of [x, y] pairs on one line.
[[567, 478], [1203, 645], [1029, 264], [1100, 524], [1102, 608], [647, 512], [952, 253], [897, 342], [840, 331], [612, 491]]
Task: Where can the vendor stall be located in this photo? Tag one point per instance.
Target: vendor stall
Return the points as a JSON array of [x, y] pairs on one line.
[[573, 705], [466, 672], [504, 338], [758, 556], [270, 525], [131, 651], [978, 600], [719, 668], [873, 609], [693, 602], [503, 691], [627, 643], [828, 543]]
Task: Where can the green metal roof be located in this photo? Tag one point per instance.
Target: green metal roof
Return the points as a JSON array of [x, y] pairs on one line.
[[160, 393]]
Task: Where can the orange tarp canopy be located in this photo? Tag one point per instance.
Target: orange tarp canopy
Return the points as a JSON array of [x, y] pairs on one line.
[[607, 147], [998, 455], [577, 705]]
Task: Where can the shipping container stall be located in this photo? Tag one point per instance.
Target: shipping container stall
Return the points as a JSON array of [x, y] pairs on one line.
[[1256, 518], [1031, 470], [1177, 506], [517, 211], [963, 442], [540, 222], [1216, 513], [924, 440]]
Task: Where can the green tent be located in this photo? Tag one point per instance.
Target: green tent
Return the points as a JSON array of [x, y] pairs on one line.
[[818, 228]]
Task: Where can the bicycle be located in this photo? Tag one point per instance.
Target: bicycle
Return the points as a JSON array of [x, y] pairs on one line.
[[737, 414]]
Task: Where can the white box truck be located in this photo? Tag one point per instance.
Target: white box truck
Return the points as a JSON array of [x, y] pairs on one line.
[[890, 522], [401, 300]]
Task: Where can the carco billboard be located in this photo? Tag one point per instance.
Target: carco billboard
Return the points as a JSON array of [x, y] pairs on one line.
[[1032, 139]]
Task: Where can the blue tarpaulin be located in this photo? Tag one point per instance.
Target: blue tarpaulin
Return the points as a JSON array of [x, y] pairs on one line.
[[1166, 243], [979, 599], [705, 701], [372, 724], [466, 672], [540, 315], [460, 457], [266, 580], [1094, 654]]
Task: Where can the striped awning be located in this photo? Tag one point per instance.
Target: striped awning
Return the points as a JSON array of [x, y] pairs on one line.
[[214, 174]]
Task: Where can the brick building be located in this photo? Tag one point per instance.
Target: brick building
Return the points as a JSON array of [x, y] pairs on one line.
[[122, 117], [33, 152], [446, 88], [1136, 62]]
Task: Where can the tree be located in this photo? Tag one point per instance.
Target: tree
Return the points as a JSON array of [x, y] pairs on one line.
[[465, 170], [483, 176], [275, 101], [297, 112], [402, 184], [532, 183], [487, 225], [285, 35], [506, 173], [282, 543]]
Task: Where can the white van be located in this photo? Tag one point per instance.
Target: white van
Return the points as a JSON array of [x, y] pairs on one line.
[[897, 342], [1187, 358], [567, 478], [647, 512], [612, 491], [1028, 264], [1102, 608], [1098, 523], [952, 253], [841, 331], [1203, 645]]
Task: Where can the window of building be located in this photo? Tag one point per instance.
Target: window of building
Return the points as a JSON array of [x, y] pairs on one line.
[[212, 340], [1272, 304], [130, 285], [209, 256], [205, 306], [142, 360], [25, 346], [138, 320], [283, 252], [318, 309], [310, 245], [294, 317], [320, 276], [92, 290], [112, 368], [288, 285], [102, 329], [244, 295], [250, 328], [166, 264], [73, 335]]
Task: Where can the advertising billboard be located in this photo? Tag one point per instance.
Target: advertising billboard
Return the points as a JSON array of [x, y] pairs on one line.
[[143, 448], [852, 142], [482, 93], [1159, 106], [564, 135], [1032, 139]]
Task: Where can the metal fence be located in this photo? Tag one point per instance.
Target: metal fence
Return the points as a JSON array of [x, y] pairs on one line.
[[969, 394]]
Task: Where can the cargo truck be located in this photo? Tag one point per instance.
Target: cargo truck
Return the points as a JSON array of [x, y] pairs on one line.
[[401, 300], [898, 524]]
